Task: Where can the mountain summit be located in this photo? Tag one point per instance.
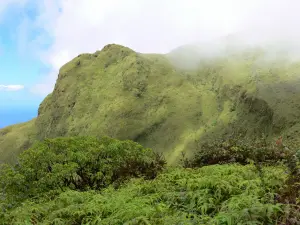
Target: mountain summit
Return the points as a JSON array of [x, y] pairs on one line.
[[159, 102]]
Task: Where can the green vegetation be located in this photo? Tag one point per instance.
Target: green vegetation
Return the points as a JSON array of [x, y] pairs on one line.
[[77, 163], [122, 94], [85, 162], [86, 180], [15, 139]]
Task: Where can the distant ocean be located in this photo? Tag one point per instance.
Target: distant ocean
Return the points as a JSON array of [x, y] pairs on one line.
[[12, 116]]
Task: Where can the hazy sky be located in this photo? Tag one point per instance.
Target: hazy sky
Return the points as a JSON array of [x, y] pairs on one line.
[[38, 36]]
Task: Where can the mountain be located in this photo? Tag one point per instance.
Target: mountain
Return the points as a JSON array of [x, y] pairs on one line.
[[16, 138], [171, 103]]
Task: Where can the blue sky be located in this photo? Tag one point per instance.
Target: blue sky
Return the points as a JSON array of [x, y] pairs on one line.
[[18, 66], [37, 37]]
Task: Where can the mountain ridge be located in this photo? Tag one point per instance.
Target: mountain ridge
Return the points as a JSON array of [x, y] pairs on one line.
[[151, 99]]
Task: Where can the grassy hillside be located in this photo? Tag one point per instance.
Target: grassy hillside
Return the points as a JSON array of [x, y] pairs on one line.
[[165, 103], [220, 110], [14, 139]]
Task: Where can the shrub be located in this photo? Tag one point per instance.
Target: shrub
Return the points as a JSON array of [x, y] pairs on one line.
[[77, 163], [218, 194], [260, 152], [238, 150]]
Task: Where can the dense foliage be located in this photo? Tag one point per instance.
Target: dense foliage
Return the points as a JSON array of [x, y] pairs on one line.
[[85, 180], [81, 163], [220, 194], [235, 148], [260, 152], [161, 102]]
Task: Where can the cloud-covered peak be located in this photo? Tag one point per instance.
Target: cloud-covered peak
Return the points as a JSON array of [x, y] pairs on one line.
[[57, 31]]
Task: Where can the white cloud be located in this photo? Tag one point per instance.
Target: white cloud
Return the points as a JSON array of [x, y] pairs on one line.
[[11, 87], [77, 26], [46, 84]]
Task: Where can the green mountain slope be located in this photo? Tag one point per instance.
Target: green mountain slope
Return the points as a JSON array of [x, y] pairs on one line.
[[14, 139], [170, 108]]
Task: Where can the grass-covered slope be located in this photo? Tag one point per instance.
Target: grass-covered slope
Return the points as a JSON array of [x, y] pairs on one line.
[[168, 104], [14, 139], [269, 84], [127, 95], [122, 94]]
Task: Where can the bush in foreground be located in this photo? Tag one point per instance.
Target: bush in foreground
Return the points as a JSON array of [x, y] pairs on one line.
[[214, 195], [74, 180], [260, 152], [76, 163]]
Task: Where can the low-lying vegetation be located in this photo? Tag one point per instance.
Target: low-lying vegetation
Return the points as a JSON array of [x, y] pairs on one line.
[[260, 153], [85, 180]]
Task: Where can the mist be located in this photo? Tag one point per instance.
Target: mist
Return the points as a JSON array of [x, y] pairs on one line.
[[266, 26], [157, 26]]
